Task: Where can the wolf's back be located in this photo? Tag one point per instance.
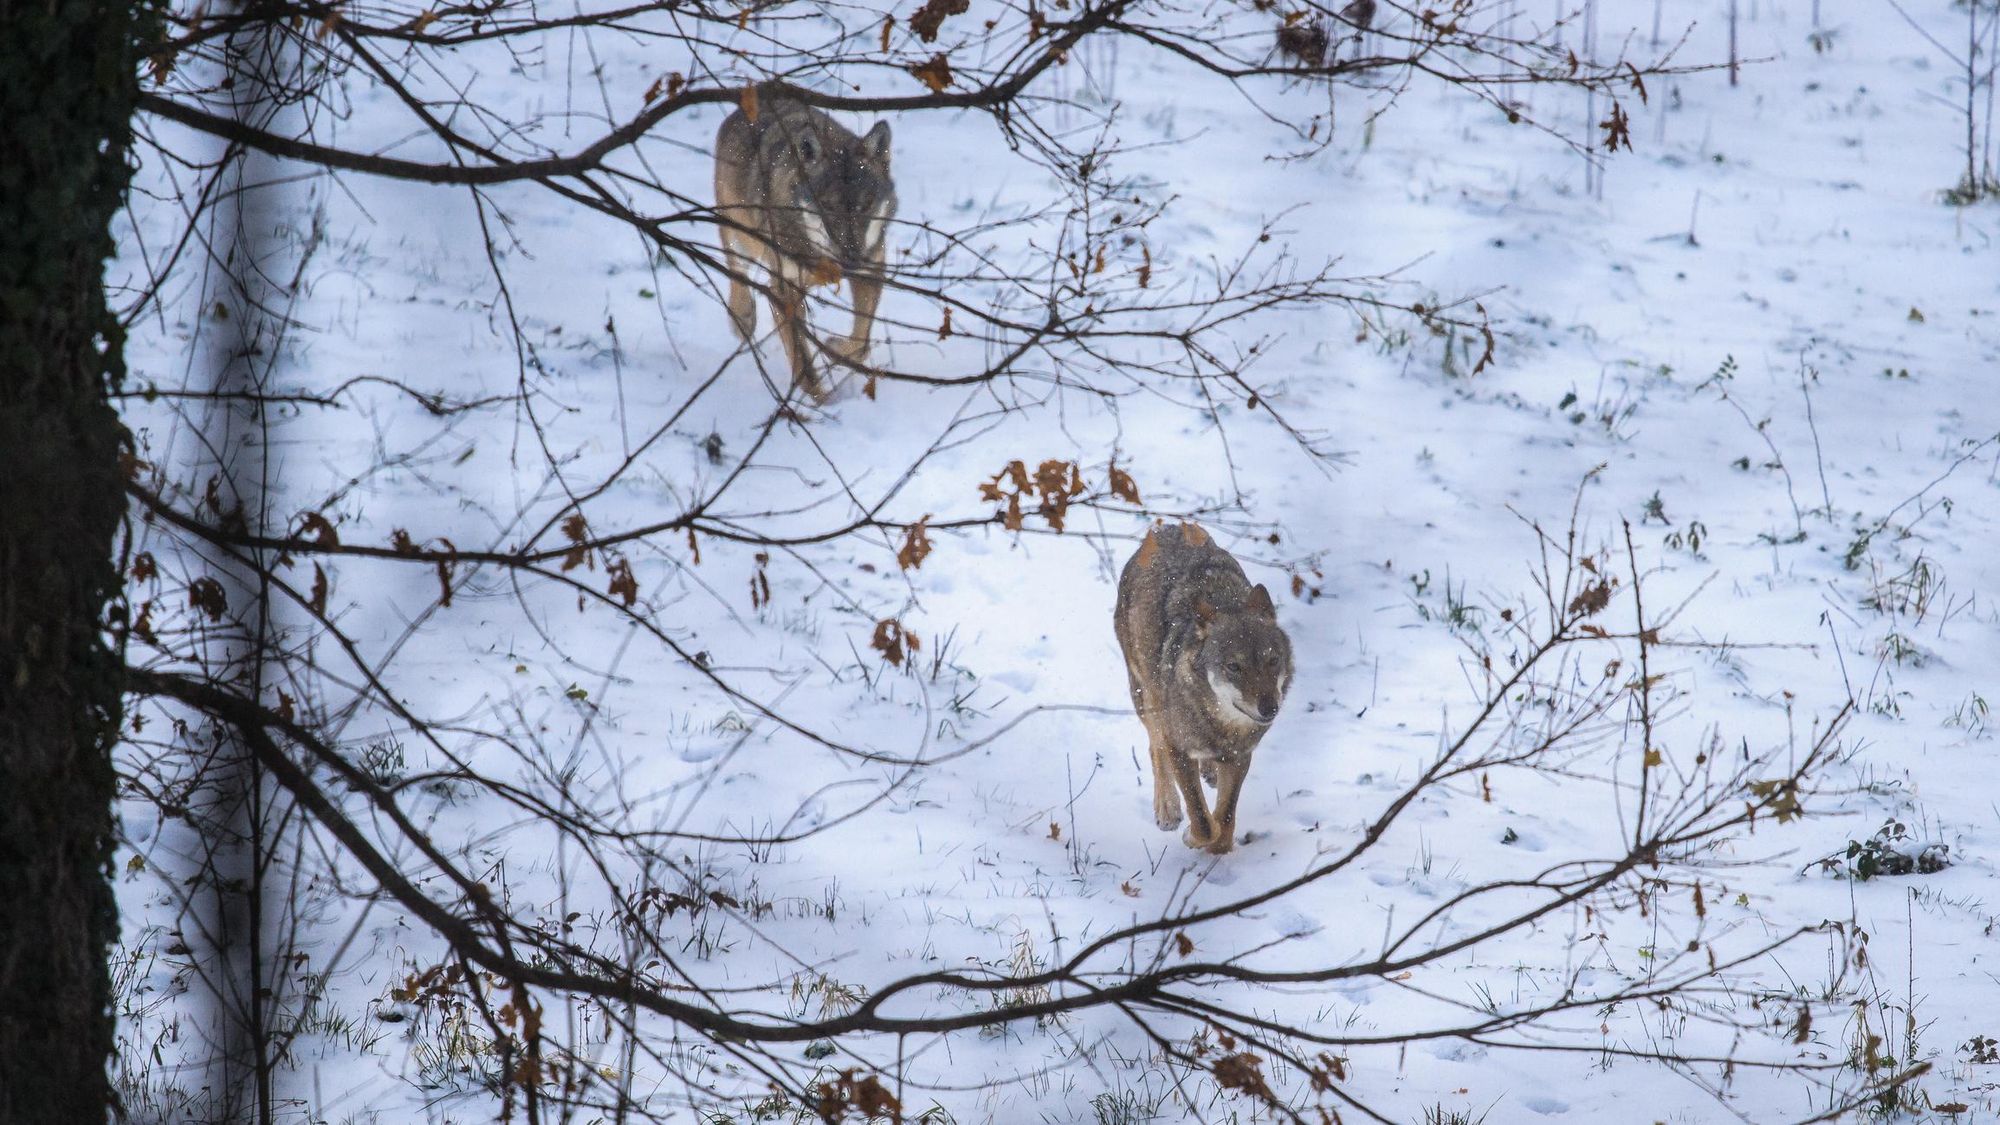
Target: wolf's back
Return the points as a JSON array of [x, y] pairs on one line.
[[1174, 570], [753, 151], [1194, 568]]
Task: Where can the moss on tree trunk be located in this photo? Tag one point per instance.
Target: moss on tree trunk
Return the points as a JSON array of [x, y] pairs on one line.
[[67, 89]]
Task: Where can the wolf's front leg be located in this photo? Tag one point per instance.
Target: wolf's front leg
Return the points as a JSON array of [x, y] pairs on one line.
[[1187, 775], [867, 288], [742, 302], [1229, 777], [788, 306]]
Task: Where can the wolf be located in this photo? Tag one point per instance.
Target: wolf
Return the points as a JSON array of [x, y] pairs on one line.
[[1209, 668], [810, 201]]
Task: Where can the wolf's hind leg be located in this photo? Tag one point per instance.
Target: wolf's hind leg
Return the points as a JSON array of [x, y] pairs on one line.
[[1166, 799]]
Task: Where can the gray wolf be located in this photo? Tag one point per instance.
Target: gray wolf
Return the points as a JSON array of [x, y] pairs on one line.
[[1209, 668], [811, 202]]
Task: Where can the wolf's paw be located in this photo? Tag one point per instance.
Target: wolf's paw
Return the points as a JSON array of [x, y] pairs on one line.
[[853, 349], [1166, 806], [1220, 844]]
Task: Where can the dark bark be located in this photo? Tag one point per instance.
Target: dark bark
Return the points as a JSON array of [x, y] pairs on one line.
[[68, 88]]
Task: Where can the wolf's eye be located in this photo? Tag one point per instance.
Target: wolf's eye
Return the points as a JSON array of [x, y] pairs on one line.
[[1233, 667]]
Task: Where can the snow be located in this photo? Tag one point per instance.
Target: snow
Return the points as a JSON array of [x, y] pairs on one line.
[[1770, 276]]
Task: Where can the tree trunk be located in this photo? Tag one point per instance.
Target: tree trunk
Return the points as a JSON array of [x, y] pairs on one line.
[[67, 89]]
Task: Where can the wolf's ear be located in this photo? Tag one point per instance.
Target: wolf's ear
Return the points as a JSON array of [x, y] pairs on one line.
[[808, 150], [876, 143], [1204, 615], [1260, 602], [1149, 549]]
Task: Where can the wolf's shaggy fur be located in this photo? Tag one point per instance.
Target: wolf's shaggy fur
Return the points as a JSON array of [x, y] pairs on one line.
[[1209, 667]]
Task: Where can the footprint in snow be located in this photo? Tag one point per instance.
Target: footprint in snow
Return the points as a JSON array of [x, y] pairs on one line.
[[1293, 923], [811, 815], [1221, 874], [1023, 682], [1453, 1050], [702, 752], [1545, 1105]]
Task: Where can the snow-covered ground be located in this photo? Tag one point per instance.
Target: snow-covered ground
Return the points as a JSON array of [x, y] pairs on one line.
[[1764, 343]]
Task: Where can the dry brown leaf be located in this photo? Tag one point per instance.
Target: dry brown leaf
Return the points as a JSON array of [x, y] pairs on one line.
[[444, 574], [1123, 486], [934, 73], [206, 595], [623, 585], [667, 85], [760, 582], [866, 1096], [916, 545], [316, 525], [927, 19], [1617, 129], [1591, 601], [577, 531], [1051, 476], [1243, 1072], [893, 641]]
